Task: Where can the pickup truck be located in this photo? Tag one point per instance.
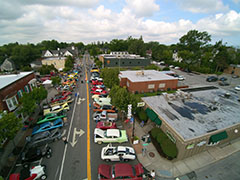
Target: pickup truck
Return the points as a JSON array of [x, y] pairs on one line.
[[104, 115]]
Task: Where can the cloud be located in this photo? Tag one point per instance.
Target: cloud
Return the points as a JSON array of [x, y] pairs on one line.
[[203, 6], [236, 1], [221, 24], [142, 8], [39, 22]]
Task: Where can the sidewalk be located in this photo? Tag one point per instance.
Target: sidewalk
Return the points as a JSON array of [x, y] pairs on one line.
[[165, 168]]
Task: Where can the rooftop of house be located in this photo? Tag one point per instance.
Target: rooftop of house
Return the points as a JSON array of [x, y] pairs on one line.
[[54, 58], [122, 56], [6, 80], [194, 114], [146, 75]]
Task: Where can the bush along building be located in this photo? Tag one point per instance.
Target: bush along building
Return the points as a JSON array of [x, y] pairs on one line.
[[123, 59]]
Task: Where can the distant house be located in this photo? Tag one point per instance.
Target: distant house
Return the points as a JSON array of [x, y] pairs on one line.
[[36, 64], [175, 57], [57, 62], [8, 65], [149, 53], [69, 51]]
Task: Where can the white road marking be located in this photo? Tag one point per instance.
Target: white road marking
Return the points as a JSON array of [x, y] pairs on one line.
[[80, 100], [75, 132], [65, 147]]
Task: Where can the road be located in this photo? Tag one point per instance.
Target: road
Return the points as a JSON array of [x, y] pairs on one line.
[[78, 159]]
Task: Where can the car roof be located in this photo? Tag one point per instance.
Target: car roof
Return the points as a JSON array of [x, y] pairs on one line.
[[123, 169], [113, 132], [99, 132]]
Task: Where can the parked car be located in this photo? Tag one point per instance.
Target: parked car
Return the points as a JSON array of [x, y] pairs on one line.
[[95, 96], [108, 108], [237, 88], [104, 115], [106, 125], [103, 101], [58, 98], [97, 82], [43, 138], [56, 109], [223, 83], [34, 153], [181, 78], [118, 153], [61, 102], [110, 136], [235, 76], [222, 79], [36, 172], [99, 91], [94, 88], [51, 117], [120, 171], [211, 79], [47, 126]]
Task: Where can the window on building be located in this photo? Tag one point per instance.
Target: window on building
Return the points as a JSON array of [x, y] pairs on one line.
[[116, 63], [162, 85], [26, 89], [151, 86], [130, 62], [138, 62], [12, 103], [122, 62], [19, 93], [127, 84]]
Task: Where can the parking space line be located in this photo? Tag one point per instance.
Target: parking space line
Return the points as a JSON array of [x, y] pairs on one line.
[[65, 147], [88, 135]]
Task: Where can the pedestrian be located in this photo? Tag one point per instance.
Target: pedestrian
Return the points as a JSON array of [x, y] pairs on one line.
[[152, 175], [65, 140]]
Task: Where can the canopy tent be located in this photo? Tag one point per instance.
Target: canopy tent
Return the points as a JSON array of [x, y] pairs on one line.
[[47, 82], [218, 137]]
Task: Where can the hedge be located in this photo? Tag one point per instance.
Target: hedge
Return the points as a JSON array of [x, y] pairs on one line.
[[167, 146], [142, 115]]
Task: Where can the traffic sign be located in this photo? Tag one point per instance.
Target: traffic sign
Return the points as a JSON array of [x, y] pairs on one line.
[[140, 104]]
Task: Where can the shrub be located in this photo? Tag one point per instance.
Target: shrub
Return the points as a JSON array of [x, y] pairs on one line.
[[169, 148], [161, 137], [155, 131], [142, 115], [166, 69]]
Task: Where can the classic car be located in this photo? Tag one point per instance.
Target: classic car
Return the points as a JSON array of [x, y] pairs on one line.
[[118, 153], [51, 117], [47, 126], [56, 109], [110, 136], [106, 125]]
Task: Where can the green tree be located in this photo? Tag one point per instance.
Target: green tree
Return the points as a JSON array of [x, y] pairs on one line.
[[9, 125], [110, 76], [38, 94], [28, 104], [56, 80], [68, 64], [45, 69], [120, 99], [136, 46]]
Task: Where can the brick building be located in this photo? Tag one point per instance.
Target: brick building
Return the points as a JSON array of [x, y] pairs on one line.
[[195, 119], [147, 81], [11, 88]]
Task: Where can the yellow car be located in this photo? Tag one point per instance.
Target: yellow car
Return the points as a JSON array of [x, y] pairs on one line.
[[56, 109], [61, 102]]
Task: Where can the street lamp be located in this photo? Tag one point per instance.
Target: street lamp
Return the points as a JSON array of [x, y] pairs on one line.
[[133, 124]]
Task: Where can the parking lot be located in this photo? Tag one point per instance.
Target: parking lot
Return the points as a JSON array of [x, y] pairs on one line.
[[199, 80]]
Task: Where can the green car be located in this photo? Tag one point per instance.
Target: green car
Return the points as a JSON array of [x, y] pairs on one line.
[[51, 117]]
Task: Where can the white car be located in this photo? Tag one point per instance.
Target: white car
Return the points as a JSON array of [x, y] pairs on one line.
[[181, 78], [109, 136], [237, 88], [119, 153]]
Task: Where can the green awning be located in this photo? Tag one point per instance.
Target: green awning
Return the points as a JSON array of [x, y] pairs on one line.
[[151, 114], [158, 121], [218, 137]]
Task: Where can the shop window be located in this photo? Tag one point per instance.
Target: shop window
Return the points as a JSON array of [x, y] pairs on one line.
[[12, 103], [151, 86]]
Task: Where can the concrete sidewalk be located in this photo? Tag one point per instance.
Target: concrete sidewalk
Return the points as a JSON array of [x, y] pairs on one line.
[[167, 169]]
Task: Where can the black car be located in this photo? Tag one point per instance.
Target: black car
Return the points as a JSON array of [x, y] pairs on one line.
[[212, 79], [35, 153], [222, 79], [43, 138]]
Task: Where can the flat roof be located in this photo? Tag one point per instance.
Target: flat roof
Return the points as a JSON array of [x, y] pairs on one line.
[[6, 80], [146, 75], [204, 112], [54, 58]]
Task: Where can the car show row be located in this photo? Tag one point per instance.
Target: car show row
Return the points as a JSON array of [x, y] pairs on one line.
[[105, 115]]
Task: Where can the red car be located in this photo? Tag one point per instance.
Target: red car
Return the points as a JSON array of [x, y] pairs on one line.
[[66, 93], [96, 82], [99, 91], [106, 125], [59, 98], [94, 88], [120, 171]]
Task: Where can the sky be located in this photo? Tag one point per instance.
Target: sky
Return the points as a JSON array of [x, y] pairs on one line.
[[87, 21]]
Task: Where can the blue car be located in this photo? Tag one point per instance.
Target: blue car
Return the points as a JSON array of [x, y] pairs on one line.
[[47, 126]]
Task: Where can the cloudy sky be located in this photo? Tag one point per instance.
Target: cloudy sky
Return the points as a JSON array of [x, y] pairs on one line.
[[89, 21]]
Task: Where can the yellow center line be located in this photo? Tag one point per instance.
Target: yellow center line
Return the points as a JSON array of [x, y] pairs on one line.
[[88, 134]]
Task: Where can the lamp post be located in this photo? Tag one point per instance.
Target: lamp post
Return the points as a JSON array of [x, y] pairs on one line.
[[133, 124]]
